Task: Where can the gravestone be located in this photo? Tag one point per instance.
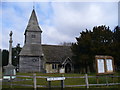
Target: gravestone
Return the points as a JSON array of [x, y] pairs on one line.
[[9, 70]]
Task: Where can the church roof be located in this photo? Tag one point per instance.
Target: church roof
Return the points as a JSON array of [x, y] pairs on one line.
[[52, 53], [31, 50], [33, 24], [56, 53]]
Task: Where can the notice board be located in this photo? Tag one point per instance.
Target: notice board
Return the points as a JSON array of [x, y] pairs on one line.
[[104, 65]]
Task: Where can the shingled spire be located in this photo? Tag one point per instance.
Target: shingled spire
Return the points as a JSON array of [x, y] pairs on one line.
[[34, 29], [33, 23]]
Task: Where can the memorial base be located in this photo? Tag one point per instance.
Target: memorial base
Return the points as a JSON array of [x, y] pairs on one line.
[[9, 72]]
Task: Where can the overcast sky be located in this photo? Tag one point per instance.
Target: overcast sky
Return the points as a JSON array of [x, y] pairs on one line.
[[59, 21]]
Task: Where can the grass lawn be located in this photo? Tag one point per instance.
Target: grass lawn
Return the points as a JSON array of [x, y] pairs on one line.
[[68, 81]]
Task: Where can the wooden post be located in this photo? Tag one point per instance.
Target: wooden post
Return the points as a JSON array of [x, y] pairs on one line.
[[97, 80], [49, 85], [86, 80], [112, 79], [106, 81], [10, 81], [62, 84], [34, 80]]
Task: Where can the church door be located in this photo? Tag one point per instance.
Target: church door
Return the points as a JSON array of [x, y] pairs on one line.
[[67, 68]]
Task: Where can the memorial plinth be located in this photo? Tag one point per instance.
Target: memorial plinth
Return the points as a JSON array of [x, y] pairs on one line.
[[9, 71]]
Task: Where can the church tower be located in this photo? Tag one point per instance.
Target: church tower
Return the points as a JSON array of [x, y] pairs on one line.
[[31, 55]]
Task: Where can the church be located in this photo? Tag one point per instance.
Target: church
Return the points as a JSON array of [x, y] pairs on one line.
[[37, 57]]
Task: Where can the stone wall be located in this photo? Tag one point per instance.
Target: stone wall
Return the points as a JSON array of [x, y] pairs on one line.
[[49, 69]]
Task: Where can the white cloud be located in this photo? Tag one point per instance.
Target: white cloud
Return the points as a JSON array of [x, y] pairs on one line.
[[60, 22], [15, 17], [69, 19], [53, 36]]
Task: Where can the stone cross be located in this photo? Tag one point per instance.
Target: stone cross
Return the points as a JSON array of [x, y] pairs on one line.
[[10, 48]]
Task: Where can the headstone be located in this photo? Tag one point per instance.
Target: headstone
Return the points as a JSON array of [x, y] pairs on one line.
[[9, 70]]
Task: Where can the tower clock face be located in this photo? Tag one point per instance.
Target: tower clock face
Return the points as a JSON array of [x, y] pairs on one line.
[[34, 60]]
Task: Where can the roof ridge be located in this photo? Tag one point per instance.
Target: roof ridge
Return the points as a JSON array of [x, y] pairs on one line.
[[55, 45]]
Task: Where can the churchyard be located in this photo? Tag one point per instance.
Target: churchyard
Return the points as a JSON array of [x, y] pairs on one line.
[[71, 81]]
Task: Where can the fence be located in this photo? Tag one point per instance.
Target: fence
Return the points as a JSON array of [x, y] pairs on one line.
[[86, 77]]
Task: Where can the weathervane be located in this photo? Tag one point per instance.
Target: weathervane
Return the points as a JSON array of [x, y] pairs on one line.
[[33, 4], [10, 33]]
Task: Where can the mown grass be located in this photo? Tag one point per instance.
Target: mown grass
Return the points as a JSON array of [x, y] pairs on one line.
[[68, 81]]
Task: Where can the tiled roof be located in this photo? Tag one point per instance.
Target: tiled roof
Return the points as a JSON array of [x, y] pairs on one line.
[[56, 53]]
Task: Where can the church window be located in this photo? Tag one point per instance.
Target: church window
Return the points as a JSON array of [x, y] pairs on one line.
[[33, 36], [54, 66]]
